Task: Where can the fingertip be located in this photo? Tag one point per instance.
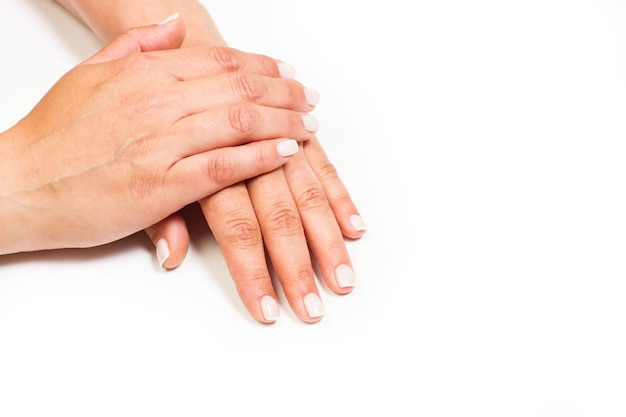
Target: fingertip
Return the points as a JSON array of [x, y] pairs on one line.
[[162, 251], [314, 308], [312, 96], [286, 70], [287, 147], [357, 223], [171, 241], [176, 257], [269, 309], [353, 226]]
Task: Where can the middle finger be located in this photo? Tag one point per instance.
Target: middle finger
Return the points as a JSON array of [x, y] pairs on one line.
[[197, 95]]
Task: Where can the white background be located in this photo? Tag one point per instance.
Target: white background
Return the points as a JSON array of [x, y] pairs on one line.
[[484, 144]]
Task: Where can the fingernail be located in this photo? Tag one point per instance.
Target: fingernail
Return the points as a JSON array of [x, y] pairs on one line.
[[286, 70], [162, 251], [312, 96], [170, 18], [287, 147], [358, 223], [310, 123], [345, 276], [270, 308], [313, 305]]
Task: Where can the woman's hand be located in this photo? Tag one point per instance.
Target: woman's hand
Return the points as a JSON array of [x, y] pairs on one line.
[[129, 137]]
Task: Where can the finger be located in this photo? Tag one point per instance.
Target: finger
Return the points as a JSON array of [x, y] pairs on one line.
[[200, 93], [142, 39], [346, 212], [232, 220], [195, 62], [321, 229], [286, 244], [219, 60], [237, 124], [203, 174], [171, 240]]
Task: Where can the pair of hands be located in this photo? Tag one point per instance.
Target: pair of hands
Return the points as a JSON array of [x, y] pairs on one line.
[[288, 212], [180, 117]]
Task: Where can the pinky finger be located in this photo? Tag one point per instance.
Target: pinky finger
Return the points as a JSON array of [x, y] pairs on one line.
[[201, 175], [346, 212]]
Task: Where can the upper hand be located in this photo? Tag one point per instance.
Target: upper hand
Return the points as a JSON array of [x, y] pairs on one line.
[[128, 137]]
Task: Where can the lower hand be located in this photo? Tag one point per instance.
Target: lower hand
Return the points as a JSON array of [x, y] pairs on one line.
[[288, 212]]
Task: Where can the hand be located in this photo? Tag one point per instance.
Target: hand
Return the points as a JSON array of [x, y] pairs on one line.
[[303, 202], [128, 137]]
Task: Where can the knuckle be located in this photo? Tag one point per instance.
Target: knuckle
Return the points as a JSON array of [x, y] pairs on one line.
[[253, 282], [343, 199], [335, 246], [130, 36], [225, 58], [266, 65], [295, 93], [326, 171], [261, 159], [301, 276], [283, 221], [221, 169], [247, 86], [241, 231], [312, 198], [243, 118]]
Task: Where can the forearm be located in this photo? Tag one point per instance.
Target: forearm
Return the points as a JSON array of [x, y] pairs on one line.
[[107, 19]]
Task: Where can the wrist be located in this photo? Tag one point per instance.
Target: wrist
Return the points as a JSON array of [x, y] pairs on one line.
[[109, 19], [201, 29]]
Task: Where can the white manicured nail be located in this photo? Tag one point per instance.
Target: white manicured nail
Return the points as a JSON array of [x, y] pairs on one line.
[[169, 18], [313, 305], [310, 123], [345, 276], [286, 70], [270, 308], [162, 251], [312, 96], [358, 223], [287, 147]]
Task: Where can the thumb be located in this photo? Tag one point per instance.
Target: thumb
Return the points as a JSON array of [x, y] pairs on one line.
[[168, 34]]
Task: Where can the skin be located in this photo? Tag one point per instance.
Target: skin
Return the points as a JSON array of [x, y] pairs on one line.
[[289, 213], [181, 132]]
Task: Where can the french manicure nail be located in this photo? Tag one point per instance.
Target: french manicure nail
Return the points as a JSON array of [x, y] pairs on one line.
[[313, 305], [162, 251], [345, 276], [312, 96], [287, 147], [286, 70], [310, 123], [270, 308], [169, 18], [358, 223]]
